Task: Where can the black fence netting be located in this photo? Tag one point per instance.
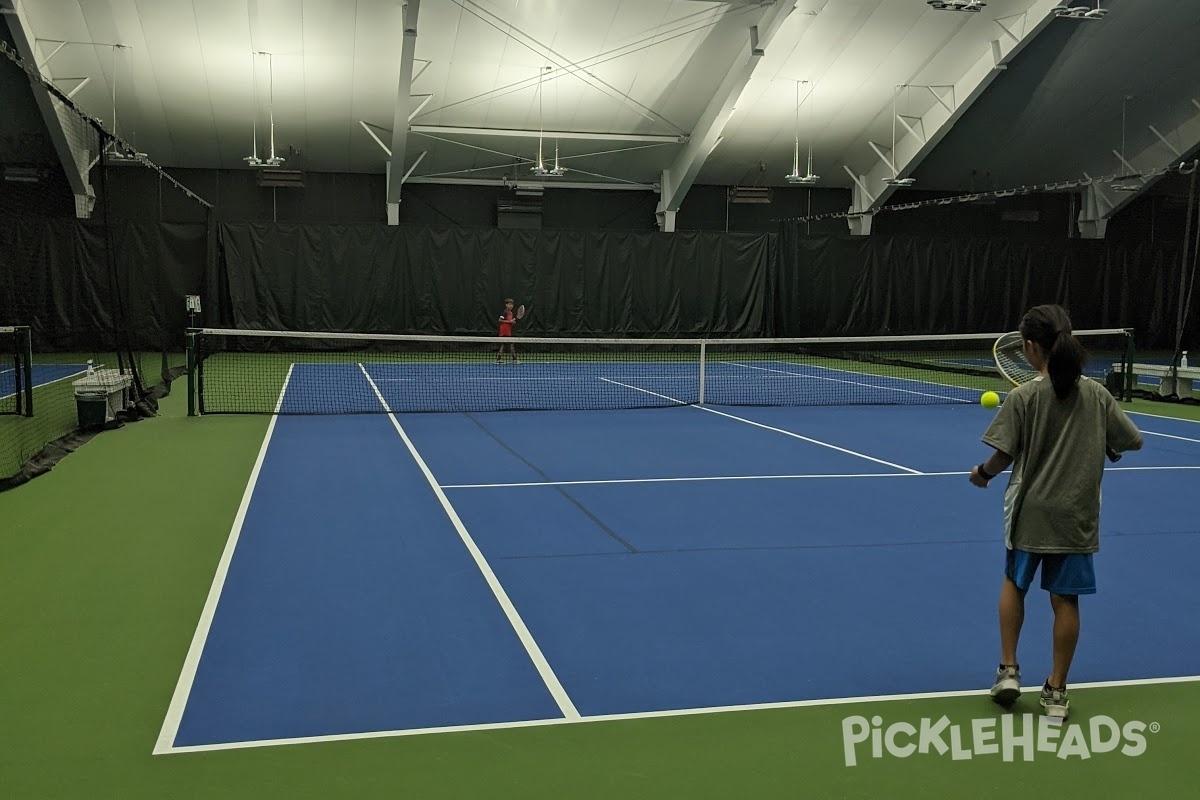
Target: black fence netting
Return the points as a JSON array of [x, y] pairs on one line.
[[77, 353]]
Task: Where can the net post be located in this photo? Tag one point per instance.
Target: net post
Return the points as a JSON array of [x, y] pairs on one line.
[[1129, 365], [191, 371], [700, 395], [17, 354], [27, 369]]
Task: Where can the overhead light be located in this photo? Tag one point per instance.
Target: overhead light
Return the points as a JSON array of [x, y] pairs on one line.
[[114, 153], [802, 180], [539, 168], [1125, 183], [807, 179], [896, 180], [253, 159], [969, 6], [1079, 12]]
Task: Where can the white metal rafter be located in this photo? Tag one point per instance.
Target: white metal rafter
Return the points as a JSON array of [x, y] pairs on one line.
[[1104, 200], [924, 133], [706, 135]]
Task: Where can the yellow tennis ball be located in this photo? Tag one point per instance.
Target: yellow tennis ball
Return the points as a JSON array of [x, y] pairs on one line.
[[989, 400]]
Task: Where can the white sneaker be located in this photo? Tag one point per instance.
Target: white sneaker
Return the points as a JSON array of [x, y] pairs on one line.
[[1007, 687], [1055, 702]]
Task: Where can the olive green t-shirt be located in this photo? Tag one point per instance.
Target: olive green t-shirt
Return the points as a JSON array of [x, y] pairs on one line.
[[1052, 503]]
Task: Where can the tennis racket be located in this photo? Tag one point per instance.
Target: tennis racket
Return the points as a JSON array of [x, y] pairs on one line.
[[1009, 354], [520, 312]]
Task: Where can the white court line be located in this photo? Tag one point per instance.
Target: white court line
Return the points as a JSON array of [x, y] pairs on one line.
[[697, 478], [857, 383], [767, 427], [183, 688], [682, 712], [816, 475], [531, 647], [562, 379], [1164, 416], [49, 383], [1171, 436]]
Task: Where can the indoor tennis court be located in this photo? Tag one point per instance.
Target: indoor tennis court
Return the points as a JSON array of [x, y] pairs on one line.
[[549, 566]]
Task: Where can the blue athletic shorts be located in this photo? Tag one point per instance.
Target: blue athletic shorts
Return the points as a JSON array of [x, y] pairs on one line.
[[1062, 573]]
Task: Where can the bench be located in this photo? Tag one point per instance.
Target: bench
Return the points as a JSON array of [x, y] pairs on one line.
[[1180, 386]]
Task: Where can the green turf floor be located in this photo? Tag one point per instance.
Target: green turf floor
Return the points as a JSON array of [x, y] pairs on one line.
[[105, 564]]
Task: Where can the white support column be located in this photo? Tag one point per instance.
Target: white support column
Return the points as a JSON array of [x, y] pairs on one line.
[[1094, 216], [952, 101], [707, 132], [61, 124], [403, 111]]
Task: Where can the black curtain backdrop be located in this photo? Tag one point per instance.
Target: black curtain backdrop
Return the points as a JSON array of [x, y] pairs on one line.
[[830, 286], [374, 279], [62, 288]]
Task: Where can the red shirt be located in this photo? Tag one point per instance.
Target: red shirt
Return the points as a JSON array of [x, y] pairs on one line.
[[506, 322]]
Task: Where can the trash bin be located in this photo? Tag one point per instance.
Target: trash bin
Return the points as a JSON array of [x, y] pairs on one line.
[[99, 396], [93, 410]]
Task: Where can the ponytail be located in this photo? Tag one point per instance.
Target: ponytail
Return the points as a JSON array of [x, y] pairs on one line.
[[1065, 364], [1050, 327]]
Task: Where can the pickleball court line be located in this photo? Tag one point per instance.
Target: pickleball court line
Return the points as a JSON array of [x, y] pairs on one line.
[[803, 476], [191, 662], [46, 383], [777, 548], [876, 386], [681, 712], [767, 427], [553, 685], [1171, 436]]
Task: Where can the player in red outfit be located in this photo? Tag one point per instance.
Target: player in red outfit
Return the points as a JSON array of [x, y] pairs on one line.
[[507, 320]]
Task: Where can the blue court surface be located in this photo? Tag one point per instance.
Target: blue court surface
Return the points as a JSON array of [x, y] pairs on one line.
[[43, 375], [417, 572]]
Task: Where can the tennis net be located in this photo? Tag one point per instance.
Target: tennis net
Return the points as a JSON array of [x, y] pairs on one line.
[[276, 372]]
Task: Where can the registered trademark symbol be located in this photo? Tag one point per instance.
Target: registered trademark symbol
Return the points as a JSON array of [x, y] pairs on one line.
[[1155, 727]]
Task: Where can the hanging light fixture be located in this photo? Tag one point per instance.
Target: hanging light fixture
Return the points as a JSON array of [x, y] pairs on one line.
[[1125, 183], [969, 6], [1064, 11], [539, 168], [807, 179], [253, 159], [896, 180], [115, 154]]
